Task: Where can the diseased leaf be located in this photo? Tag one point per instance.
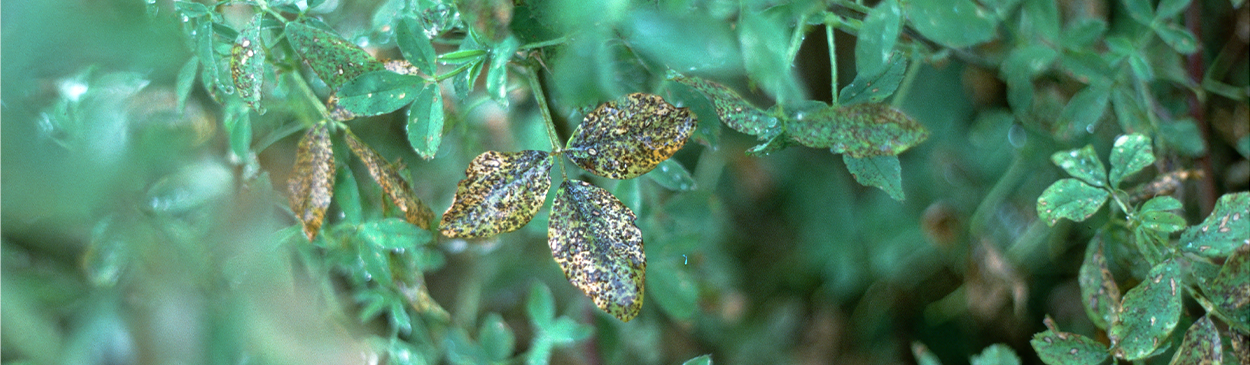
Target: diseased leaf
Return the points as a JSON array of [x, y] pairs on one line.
[[732, 109], [312, 179], [1083, 164], [1063, 348], [425, 121], [882, 172], [335, 60], [953, 23], [1227, 228], [500, 193], [1099, 293], [247, 63], [415, 210], [1071, 199], [415, 46], [672, 176], [628, 137], [1148, 313], [378, 92], [996, 354], [859, 131], [594, 239], [1201, 345], [874, 85], [1130, 154], [1231, 289]]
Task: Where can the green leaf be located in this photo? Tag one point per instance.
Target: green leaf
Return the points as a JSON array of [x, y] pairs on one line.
[[312, 179], [1222, 231], [500, 193], [497, 72], [1083, 164], [861, 130], [238, 123], [349, 195], [1063, 348], [396, 188], [672, 176], [1148, 314], [1130, 154], [540, 306], [393, 234], [425, 121], [335, 60], [378, 92], [1085, 108], [1028, 60], [1039, 21], [1082, 33], [732, 109], [1230, 291], [186, 79], [673, 289], [1201, 344], [877, 36], [953, 23], [628, 137], [208, 58], [1129, 113], [1099, 292], [462, 56], [496, 337], [705, 359], [872, 86], [882, 172], [247, 63], [1167, 222], [1183, 136], [1161, 203], [1071, 199], [594, 239], [415, 46], [399, 318], [764, 37], [1177, 37], [996, 354], [923, 355], [1139, 10]]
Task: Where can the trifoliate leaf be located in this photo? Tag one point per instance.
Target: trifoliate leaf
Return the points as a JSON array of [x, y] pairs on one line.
[[1099, 293], [1148, 313], [732, 109], [1130, 154], [247, 63], [628, 137], [1071, 199], [1083, 164], [335, 60], [860, 130], [415, 210], [1227, 228], [500, 193], [594, 239], [1200, 346], [312, 179]]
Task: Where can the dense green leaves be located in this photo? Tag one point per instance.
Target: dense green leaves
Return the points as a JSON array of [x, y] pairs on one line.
[[396, 188], [1099, 293], [425, 121], [500, 193], [953, 23], [379, 92], [628, 137], [312, 179], [247, 63], [1070, 199], [335, 60], [594, 239], [1130, 154], [1227, 228], [1083, 164], [881, 172], [1149, 313], [1201, 344], [731, 108], [859, 131]]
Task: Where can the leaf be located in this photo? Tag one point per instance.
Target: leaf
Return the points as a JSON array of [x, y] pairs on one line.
[[1183, 136], [186, 79], [496, 337], [1139, 10], [500, 193], [208, 58], [1155, 215], [312, 179], [628, 137], [861, 130], [1223, 231], [1083, 164], [1130, 154], [1082, 33], [1201, 344], [733, 110], [425, 121], [594, 239], [1099, 293], [247, 63], [335, 60], [238, 123], [393, 234], [1056, 348], [1071, 199], [349, 195], [672, 176], [540, 306], [1039, 21], [415, 210], [872, 86], [953, 23], [1179, 38], [674, 289], [1230, 291], [877, 36], [705, 359], [378, 92], [1148, 313], [415, 46], [1085, 108], [497, 72], [1029, 60], [764, 37], [996, 354], [881, 172]]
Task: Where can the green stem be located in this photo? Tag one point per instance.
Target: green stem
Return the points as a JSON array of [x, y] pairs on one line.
[[905, 87], [546, 43], [796, 39], [537, 89], [264, 6], [308, 93], [833, 61]]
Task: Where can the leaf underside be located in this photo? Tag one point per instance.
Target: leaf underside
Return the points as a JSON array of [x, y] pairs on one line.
[[335, 60], [312, 180], [861, 130], [500, 193], [628, 137], [593, 237], [415, 210]]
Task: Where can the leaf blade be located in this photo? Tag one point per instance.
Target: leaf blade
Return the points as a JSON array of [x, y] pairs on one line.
[[630, 136], [1201, 344], [882, 172], [1071, 199], [1130, 154], [311, 185], [593, 238], [1223, 230], [500, 193], [1099, 293], [335, 60], [425, 122], [860, 131], [731, 108], [1083, 164], [415, 210], [378, 92], [1148, 313]]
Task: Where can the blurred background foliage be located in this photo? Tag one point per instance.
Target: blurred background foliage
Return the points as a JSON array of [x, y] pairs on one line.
[[138, 231]]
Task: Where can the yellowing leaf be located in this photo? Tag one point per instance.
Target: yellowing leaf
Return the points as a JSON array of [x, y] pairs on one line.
[[312, 180], [594, 239], [861, 130], [415, 211], [732, 109], [628, 137], [500, 193]]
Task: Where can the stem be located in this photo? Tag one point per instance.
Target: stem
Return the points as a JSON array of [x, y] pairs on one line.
[[264, 6], [537, 89], [833, 60], [796, 39], [312, 97], [905, 87], [546, 43]]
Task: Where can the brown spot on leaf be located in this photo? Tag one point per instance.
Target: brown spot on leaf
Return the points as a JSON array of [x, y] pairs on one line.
[[311, 185]]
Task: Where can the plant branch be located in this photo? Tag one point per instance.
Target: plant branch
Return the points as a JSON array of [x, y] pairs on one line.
[[833, 59]]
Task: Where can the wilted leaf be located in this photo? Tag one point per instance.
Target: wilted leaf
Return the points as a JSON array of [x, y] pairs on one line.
[[861, 130], [378, 92], [1231, 289], [425, 121], [335, 60], [500, 193], [415, 210], [996, 354], [1148, 313], [1099, 292], [732, 109], [594, 239], [247, 63], [1071, 199], [953, 23], [1223, 231], [874, 85], [1082, 164], [312, 179], [1130, 154], [628, 137], [1063, 348], [1201, 345], [881, 172]]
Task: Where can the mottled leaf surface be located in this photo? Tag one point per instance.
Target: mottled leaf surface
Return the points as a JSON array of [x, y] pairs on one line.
[[500, 193], [335, 60], [1201, 345], [1231, 289], [312, 179], [882, 172], [628, 137], [1063, 348], [247, 63], [415, 210], [1099, 292], [1082, 163], [874, 85], [1130, 154], [425, 122], [1223, 231], [1148, 313], [861, 130], [1071, 199], [378, 92], [731, 108], [594, 239]]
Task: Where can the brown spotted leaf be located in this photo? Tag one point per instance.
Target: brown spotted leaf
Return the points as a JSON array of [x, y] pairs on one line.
[[593, 237], [732, 109], [1056, 347], [1099, 293], [1200, 346], [1148, 313], [335, 60], [500, 193], [628, 137], [860, 130], [247, 63], [312, 180], [415, 210]]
